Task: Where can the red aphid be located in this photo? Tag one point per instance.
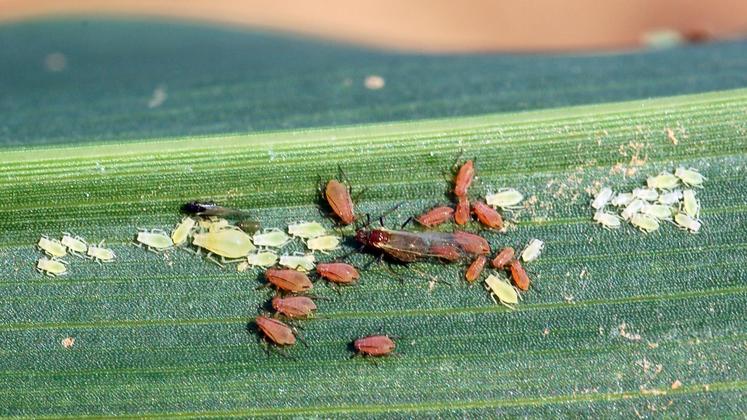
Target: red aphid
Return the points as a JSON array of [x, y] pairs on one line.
[[503, 258], [338, 197], [413, 246], [461, 215], [435, 216], [475, 269], [519, 276], [339, 273], [288, 280], [464, 179], [374, 345], [293, 306], [275, 331], [487, 215]]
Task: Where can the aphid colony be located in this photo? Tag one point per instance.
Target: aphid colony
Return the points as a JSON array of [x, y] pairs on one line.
[[668, 197], [53, 265]]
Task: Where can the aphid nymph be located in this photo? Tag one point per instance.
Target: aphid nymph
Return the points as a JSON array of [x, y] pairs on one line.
[[505, 199], [182, 231], [499, 289], [659, 211], [621, 199], [532, 251], [155, 239], [100, 254], [227, 242], [647, 194], [602, 198], [306, 230], [690, 204], [273, 238], [686, 222], [262, 259], [644, 222], [607, 220], [51, 247], [323, 243], [634, 207], [663, 181], [298, 262], [689, 177], [670, 198], [75, 244], [51, 267]]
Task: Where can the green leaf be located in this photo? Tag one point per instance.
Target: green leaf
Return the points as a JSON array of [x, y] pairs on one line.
[[165, 334]]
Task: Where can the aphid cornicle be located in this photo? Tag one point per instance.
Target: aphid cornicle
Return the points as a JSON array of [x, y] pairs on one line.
[[155, 239], [338, 197], [505, 199], [505, 293], [306, 230], [519, 275], [273, 238], [75, 244], [475, 269], [435, 216], [288, 280], [607, 220], [182, 231], [461, 215], [374, 345], [298, 262], [602, 198], [323, 243], [227, 242], [99, 253], [276, 331], [464, 179], [51, 267], [340, 273], [51, 247], [487, 215], [294, 306], [412, 246], [503, 258], [532, 251], [689, 177]]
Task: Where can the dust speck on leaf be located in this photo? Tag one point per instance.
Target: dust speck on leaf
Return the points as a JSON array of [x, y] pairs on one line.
[[676, 384], [671, 137], [55, 62], [158, 97], [68, 342], [625, 334], [374, 82]]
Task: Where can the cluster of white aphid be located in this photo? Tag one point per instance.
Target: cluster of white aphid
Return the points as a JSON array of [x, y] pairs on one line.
[[75, 245], [219, 237], [662, 200]]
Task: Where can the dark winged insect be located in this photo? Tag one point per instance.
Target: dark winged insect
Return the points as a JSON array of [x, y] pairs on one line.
[[374, 345], [288, 280], [294, 306], [412, 246]]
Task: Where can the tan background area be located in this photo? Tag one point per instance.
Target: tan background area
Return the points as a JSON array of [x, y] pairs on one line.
[[437, 25]]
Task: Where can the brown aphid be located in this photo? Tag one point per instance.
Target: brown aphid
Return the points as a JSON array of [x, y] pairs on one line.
[[503, 258], [475, 269], [487, 215], [519, 276], [288, 280], [471, 243], [435, 216], [340, 273], [293, 306], [338, 197], [275, 331], [461, 215], [374, 345], [464, 179]]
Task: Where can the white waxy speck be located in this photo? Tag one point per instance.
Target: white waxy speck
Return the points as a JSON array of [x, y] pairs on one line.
[[607, 220], [644, 222], [663, 181], [648, 194], [504, 199], [690, 204], [622, 199], [602, 198], [670, 198], [689, 177], [634, 207], [532, 251], [658, 211], [686, 222]]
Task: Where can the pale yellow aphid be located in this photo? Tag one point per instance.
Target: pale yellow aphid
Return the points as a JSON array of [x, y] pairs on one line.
[[607, 220], [155, 239], [658, 211], [622, 199], [634, 207], [213, 224], [298, 262], [648, 194], [686, 222], [307, 230], [690, 204], [663, 181], [262, 259], [51, 267], [274, 238], [75, 244], [670, 198], [506, 294], [689, 177], [644, 222], [602, 198], [532, 251], [100, 254], [182, 231], [323, 243], [506, 198], [227, 242], [51, 247]]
